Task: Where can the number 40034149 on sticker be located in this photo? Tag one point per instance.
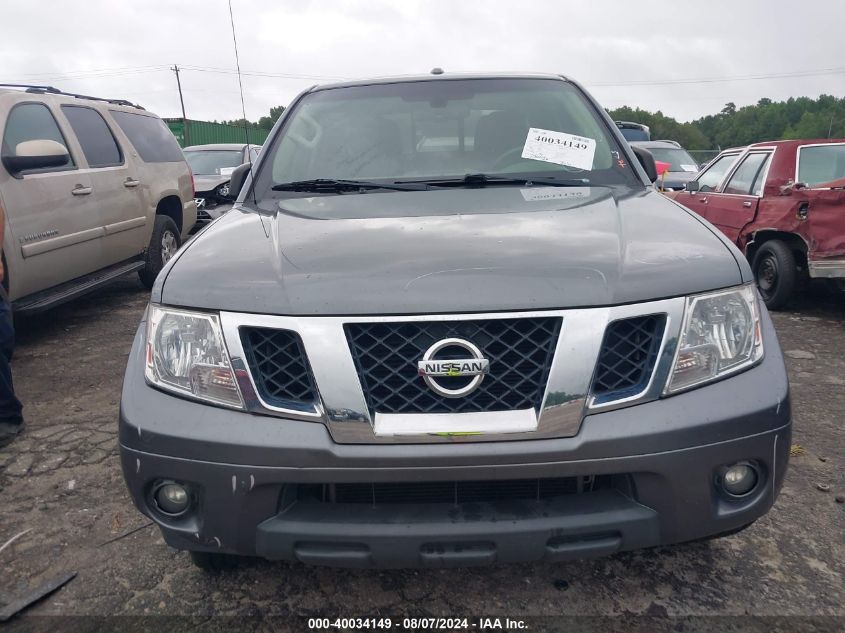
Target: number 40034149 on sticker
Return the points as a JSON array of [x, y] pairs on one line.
[[559, 148]]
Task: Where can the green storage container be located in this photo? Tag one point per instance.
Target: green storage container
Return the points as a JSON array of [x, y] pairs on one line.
[[204, 132]]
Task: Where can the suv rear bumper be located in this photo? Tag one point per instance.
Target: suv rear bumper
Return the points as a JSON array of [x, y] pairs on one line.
[[664, 457]]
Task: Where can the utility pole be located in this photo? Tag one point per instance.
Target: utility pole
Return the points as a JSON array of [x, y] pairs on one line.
[[175, 69]]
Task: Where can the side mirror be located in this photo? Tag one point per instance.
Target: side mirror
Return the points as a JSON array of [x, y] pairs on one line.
[[691, 186], [236, 181], [37, 154], [647, 161]]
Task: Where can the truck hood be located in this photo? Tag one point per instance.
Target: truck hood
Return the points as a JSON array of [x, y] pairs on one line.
[[442, 251]]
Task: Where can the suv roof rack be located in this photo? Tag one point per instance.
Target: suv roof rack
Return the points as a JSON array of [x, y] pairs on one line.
[[55, 91], [630, 124]]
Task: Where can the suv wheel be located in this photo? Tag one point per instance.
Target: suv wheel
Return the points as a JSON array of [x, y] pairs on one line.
[[775, 273], [164, 243], [214, 562]]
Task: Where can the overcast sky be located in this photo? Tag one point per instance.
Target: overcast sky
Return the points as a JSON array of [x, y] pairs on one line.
[[625, 52]]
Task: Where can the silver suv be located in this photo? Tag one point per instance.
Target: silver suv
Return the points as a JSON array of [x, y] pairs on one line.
[[212, 166], [92, 189], [682, 166]]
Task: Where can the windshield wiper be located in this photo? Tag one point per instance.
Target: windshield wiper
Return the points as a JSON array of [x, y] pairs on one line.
[[482, 180], [330, 185]]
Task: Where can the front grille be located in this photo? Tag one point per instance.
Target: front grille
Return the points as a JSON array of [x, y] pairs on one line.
[[628, 355], [279, 366], [520, 352], [454, 492]]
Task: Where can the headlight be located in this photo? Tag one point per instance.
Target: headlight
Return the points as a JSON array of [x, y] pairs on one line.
[[223, 190], [186, 355], [720, 335]]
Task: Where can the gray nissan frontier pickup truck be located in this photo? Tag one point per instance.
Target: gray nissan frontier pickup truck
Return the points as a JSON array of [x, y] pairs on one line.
[[449, 322]]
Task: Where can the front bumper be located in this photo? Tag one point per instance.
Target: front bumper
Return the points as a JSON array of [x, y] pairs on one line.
[[827, 268], [663, 457]]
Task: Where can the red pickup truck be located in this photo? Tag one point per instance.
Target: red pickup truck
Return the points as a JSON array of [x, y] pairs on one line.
[[783, 205]]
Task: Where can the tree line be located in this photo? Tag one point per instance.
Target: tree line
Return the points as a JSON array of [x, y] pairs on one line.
[[767, 120], [264, 123]]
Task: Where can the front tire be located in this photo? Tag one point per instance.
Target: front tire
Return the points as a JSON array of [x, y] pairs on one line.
[[775, 273], [164, 243]]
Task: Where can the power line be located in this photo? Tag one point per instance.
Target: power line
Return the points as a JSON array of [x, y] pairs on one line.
[[706, 80], [133, 70], [253, 73], [130, 70], [90, 77], [93, 70]]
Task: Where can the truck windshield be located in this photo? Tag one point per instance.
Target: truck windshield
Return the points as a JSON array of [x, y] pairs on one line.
[[435, 130], [678, 159], [820, 164], [210, 162]]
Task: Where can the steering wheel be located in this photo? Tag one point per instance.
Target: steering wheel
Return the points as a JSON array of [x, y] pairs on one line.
[[506, 158]]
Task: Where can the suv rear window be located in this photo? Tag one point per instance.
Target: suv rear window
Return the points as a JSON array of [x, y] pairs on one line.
[[94, 135], [634, 134], [150, 136]]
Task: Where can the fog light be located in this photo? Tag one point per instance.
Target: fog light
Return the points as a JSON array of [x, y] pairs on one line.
[[172, 498], [739, 479]]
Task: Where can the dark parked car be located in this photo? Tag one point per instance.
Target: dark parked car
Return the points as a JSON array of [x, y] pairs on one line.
[[682, 166], [452, 323], [781, 203], [634, 131], [212, 166]]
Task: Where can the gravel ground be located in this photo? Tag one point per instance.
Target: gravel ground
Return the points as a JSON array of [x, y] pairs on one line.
[[62, 481]]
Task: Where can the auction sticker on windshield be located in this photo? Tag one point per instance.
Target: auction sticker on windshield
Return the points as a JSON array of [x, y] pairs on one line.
[[559, 148]]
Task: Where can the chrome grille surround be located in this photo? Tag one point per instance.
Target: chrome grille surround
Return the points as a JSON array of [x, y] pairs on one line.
[[627, 356], [279, 366], [342, 407]]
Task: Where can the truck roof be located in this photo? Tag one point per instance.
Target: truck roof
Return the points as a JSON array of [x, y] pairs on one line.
[[435, 77]]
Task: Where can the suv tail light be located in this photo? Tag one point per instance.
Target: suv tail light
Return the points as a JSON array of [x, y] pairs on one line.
[[193, 184]]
